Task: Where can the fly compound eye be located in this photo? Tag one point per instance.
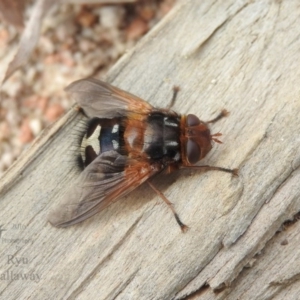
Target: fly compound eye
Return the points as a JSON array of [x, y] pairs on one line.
[[192, 120], [192, 152]]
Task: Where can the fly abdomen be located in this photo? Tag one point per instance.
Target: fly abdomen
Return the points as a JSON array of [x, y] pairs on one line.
[[101, 135]]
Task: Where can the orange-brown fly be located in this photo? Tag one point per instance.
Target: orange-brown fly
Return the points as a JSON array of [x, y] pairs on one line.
[[127, 142]]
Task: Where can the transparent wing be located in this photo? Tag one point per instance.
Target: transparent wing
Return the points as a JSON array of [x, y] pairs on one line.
[[102, 100], [107, 178]]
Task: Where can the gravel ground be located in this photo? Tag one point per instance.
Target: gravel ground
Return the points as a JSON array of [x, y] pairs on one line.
[[76, 41]]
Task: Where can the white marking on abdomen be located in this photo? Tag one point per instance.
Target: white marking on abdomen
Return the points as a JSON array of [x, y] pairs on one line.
[[115, 144], [115, 128], [177, 156], [168, 123], [171, 143], [92, 141]]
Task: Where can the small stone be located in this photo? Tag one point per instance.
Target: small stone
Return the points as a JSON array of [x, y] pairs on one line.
[[35, 126], [13, 117], [47, 45], [165, 7], [86, 18], [67, 59], [26, 135], [13, 86], [5, 131], [86, 45], [136, 29], [42, 103], [147, 12], [4, 37], [51, 59], [111, 16], [65, 30], [35, 101], [53, 112], [7, 160]]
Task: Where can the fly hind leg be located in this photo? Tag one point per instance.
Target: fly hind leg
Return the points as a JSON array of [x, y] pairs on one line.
[[183, 227], [234, 172]]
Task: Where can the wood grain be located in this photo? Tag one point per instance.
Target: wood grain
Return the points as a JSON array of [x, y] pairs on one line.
[[239, 55]]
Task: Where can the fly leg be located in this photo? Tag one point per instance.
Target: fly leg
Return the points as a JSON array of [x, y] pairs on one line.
[[183, 227], [176, 89], [234, 172], [221, 115]]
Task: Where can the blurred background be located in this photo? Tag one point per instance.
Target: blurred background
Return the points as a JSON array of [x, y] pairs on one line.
[[80, 39]]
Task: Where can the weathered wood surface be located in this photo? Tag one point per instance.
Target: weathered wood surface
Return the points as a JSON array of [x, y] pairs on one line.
[[240, 55]]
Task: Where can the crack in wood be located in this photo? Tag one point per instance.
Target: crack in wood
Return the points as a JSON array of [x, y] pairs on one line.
[[196, 293], [124, 285], [200, 289]]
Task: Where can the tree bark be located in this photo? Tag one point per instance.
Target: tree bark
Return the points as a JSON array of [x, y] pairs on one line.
[[239, 55]]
